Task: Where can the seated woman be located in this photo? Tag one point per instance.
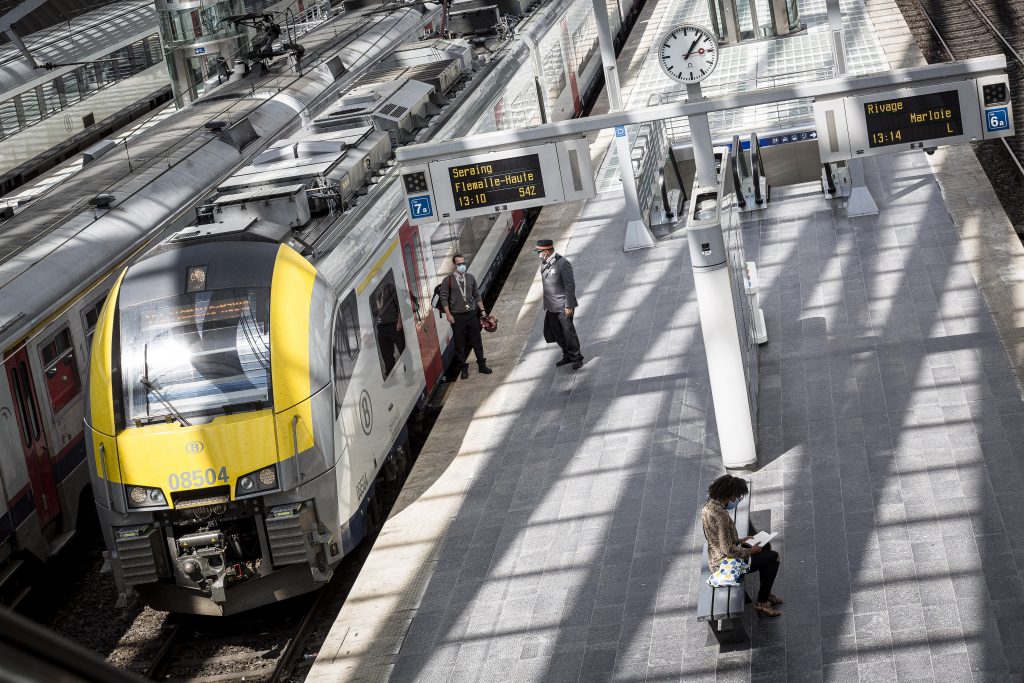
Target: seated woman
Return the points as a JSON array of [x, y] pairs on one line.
[[723, 541]]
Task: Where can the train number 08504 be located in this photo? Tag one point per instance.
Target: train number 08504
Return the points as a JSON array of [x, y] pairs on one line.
[[187, 480]]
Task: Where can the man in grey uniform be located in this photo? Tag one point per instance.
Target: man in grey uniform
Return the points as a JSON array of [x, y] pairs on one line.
[[559, 304]]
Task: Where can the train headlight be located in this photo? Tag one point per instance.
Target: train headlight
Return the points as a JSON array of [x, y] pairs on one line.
[[267, 477], [260, 481], [145, 497]]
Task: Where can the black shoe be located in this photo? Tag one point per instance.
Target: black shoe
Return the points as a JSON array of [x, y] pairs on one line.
[[578, 363], [484, 370], [465, 372], [565, 361]]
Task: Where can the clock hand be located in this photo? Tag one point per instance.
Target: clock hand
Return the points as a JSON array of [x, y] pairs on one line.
[[690, 51]]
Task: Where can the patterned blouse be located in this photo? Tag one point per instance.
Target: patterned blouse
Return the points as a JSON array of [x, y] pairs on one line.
[[720, 531]]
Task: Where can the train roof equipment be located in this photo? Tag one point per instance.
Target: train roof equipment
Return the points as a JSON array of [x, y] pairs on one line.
[[58, 246]]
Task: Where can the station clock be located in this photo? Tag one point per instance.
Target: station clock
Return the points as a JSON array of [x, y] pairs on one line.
[[688, 53]]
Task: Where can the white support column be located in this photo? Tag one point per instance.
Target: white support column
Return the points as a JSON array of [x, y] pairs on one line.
[[860, 202], [700, 137], [638, 235], [709, 259], [725, 367]]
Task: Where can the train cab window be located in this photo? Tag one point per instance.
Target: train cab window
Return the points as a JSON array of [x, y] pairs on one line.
[[346, 344], [60, 370], [387, 322], [90, 317], [199, 353]]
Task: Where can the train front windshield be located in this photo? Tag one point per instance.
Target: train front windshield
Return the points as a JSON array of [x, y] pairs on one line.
[[204, 353]]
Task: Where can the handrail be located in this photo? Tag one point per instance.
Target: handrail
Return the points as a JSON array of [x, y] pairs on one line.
[[757, 167], [829, 179], [736, 176], [665, 203], [675, 169]]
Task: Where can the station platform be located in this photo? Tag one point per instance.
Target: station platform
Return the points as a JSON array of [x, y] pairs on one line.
[[549, 531]]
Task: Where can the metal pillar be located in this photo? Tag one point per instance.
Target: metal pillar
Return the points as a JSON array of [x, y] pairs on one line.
[[715, 303], [711, 281], [700, 137], [860, 201], [638, 235]]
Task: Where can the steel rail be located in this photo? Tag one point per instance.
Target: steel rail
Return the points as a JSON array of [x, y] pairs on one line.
[[162, 657], [949, 51], [996, 32], [293, 649]]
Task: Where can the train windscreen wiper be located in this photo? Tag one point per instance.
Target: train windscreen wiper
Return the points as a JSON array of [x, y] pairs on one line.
[[148, 385]]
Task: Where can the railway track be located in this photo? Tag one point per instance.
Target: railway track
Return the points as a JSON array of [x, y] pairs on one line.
[[962, 29], [255, 646]]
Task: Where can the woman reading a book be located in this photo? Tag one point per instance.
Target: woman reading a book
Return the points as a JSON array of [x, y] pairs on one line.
[[724, 541]]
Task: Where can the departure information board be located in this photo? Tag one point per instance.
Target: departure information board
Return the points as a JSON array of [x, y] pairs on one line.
[[491, 183], [931, 116], [495, 181]]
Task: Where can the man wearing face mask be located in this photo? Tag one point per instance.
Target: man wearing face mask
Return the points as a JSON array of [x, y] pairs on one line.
[[463, 307], [559, 304]]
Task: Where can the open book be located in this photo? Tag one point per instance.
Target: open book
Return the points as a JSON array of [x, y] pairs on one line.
[[762, 538]]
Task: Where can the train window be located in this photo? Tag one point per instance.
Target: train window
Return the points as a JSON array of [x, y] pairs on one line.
[[51, 99], [90, 317], [415, 279], [554, 70], [69, 82], [9, 118], [346, 344], [60, 370], [30, 112], [387, 321], [23, 413], [30, 402], [584, 40], [204, 353], [123, 65], [138, 53], [421, 270], [153, 50], [410, 278]]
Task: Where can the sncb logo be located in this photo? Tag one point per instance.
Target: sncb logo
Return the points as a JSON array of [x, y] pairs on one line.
[[193, 447]]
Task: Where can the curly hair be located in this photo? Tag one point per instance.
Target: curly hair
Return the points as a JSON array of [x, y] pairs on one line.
[[727, 487]]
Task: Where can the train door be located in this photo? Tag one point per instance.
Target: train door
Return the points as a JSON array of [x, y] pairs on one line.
[[33, 443], [420, 290]]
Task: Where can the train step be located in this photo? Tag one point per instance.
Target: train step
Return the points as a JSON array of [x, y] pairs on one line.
[[11, 595], [60, 542], [9, 570]]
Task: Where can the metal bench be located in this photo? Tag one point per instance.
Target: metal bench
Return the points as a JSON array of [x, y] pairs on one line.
[[723, 607]]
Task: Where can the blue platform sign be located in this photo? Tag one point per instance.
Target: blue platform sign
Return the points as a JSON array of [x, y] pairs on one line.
[[419, 207], [997, 119], [200, 50], [620, 131]]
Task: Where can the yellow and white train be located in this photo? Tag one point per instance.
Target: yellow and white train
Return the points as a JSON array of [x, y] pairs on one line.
[[253, 377]]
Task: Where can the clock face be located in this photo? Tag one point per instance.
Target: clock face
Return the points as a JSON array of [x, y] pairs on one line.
[[688, 53]]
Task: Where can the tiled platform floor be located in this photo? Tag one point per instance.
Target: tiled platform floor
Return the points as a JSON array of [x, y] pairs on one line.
[[891, 448]]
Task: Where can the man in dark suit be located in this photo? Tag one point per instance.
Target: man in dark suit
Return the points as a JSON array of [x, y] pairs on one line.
[[559, 304], [463, 307]]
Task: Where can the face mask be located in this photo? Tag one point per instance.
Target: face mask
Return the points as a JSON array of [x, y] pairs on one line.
[[731, 505], [461, 267]]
